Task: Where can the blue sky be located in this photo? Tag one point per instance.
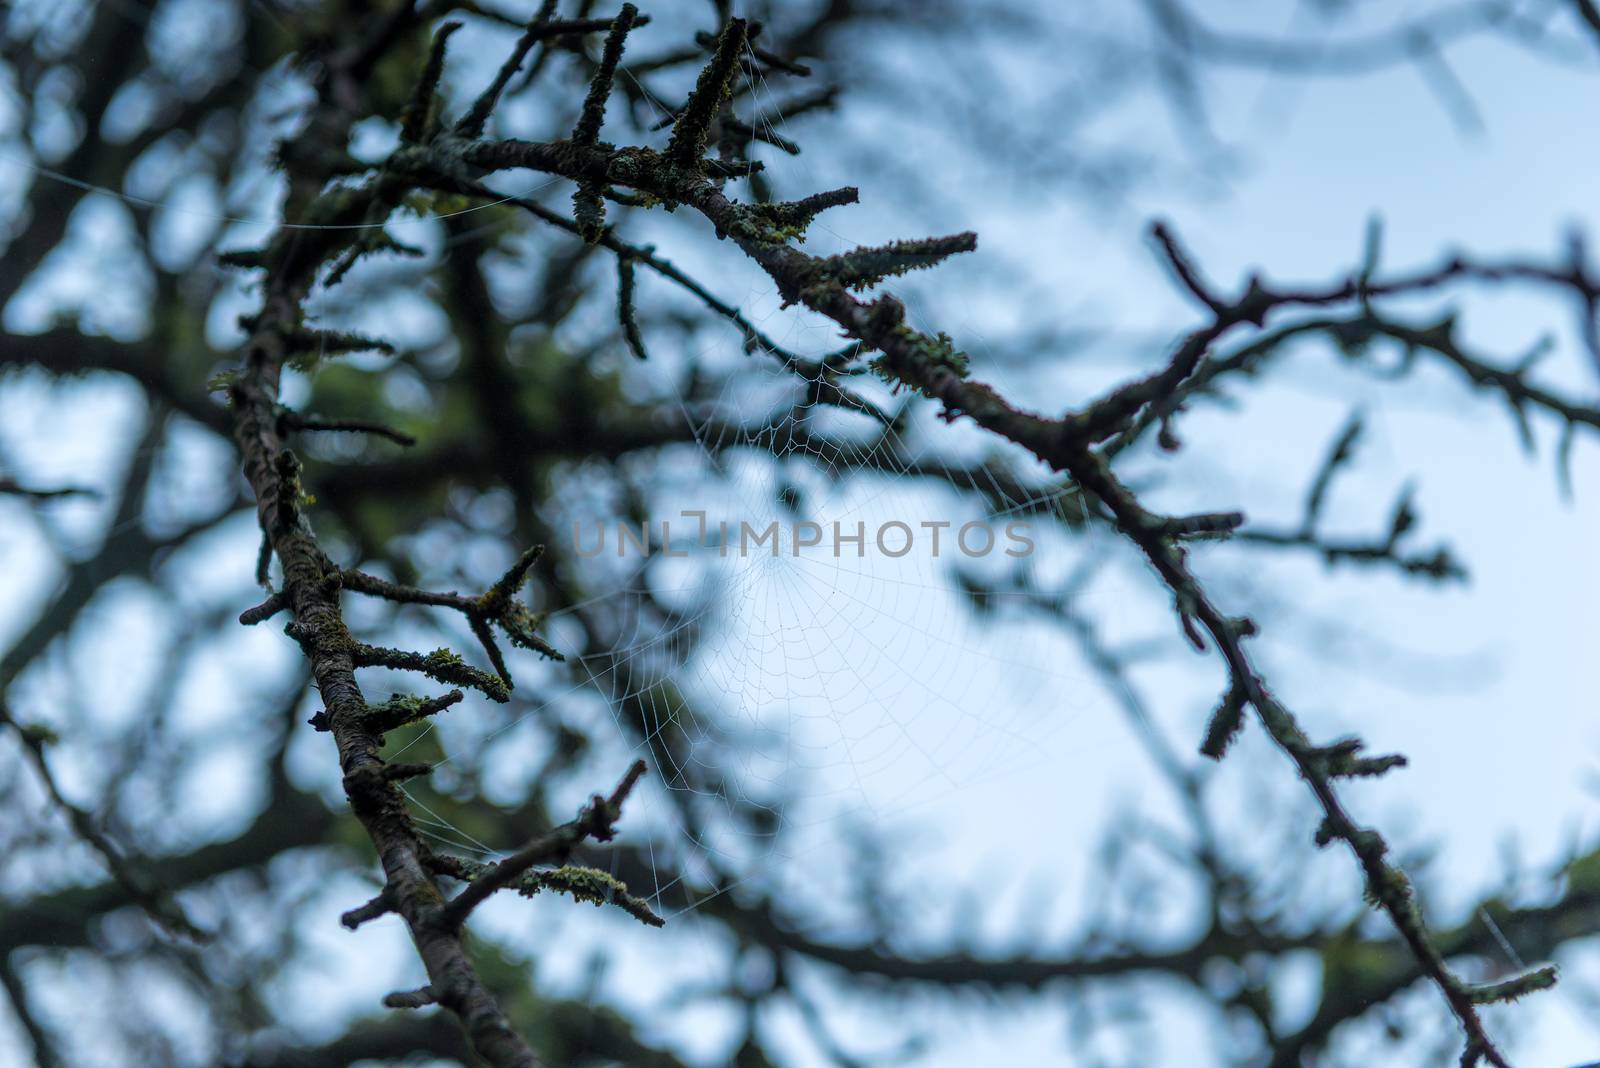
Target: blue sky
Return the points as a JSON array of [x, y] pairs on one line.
[[891, 705]]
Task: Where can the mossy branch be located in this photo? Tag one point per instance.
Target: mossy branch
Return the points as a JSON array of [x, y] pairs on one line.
[[496, 607], [581, 883], [864, 268], [692, 131], [782, 221], [597, 820], [398, 711], [587, 132], [1518, 986], [441, 665]]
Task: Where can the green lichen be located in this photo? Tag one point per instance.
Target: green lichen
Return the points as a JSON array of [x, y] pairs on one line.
[[292, 497], [1517, 986], [442, 659], [864, 268], [783, 221], [584, 884], [403, 709], [397, 711], [752, 225], [915, 359], [634, 166], [441, 664], [648, 173], [521, 627], [308, 346], [591, 885]]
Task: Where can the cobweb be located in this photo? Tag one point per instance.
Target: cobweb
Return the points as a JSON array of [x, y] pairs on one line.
[[810, 688]]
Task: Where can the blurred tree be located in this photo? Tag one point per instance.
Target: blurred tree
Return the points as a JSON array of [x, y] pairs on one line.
[[435, 374]]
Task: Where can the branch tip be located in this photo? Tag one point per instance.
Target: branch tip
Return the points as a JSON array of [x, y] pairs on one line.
[[587, 131], [417, 119], [711, 92]]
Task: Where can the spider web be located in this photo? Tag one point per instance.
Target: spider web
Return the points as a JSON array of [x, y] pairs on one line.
[[812, 689]]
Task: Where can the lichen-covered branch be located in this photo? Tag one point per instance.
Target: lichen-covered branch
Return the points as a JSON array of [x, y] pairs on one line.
[[311, 582]]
